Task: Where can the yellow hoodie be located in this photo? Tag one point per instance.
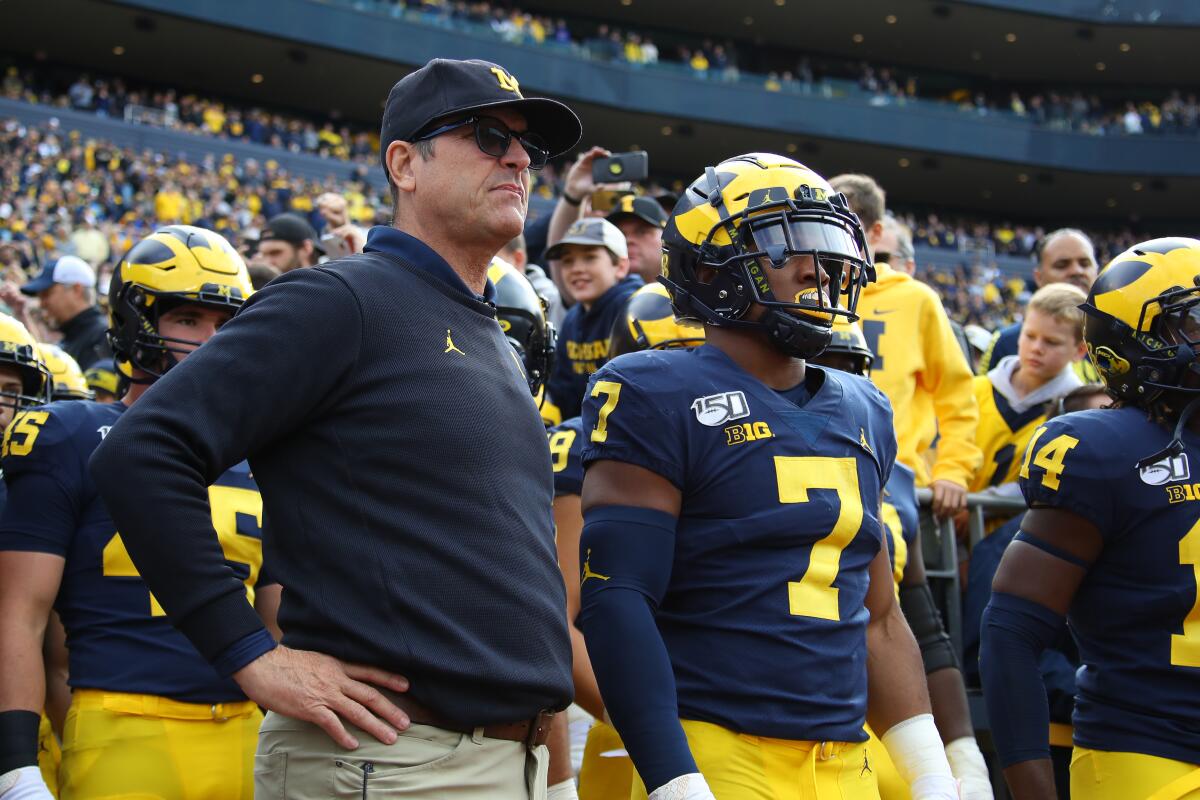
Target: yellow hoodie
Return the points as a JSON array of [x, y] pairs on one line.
[[921, 368]]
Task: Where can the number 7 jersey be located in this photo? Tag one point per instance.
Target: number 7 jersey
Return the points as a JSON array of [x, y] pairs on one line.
[[118, 637], [1136, 615], [764, 615]]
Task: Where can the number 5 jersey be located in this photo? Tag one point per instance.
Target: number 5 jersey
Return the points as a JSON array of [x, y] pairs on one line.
[[118, 636], [764, 615], [1136, 615]]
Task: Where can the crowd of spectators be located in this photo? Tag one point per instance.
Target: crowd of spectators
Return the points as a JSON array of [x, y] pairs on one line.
[[114, 97], [1000, 238], [1177, 114], [65, 194], [777, 70]]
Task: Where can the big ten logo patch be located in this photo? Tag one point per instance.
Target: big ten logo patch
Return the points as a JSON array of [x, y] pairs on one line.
[[747, 432]]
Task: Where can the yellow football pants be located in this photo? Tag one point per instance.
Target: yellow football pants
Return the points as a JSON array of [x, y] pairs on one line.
[[742, 767], [891, 785], [49, 755], [604, 777], [151, 748], [1102, 775]]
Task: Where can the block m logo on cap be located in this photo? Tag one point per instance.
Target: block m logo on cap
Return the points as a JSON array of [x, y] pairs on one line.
[[507, 82]]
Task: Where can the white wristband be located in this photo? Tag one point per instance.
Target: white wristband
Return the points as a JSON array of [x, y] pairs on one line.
[[916, 749], [969, 767], [24, 784], [564, 790], [686, 787]]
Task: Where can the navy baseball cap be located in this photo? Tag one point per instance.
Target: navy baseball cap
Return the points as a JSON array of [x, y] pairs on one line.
[[646, 209], [293, 229], [446, 86], [66, 269]]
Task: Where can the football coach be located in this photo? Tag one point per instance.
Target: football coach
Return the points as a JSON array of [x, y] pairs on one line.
[[405, 477]]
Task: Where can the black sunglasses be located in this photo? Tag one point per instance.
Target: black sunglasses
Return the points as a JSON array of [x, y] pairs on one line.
[[494, 138]]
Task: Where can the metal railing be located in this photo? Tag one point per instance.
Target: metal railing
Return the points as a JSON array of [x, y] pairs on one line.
[[939, 546]]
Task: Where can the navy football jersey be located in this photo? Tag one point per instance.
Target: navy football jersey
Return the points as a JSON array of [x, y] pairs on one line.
[[1136, 616], [566, 448], [117, 635], [764, 615], [901, 518]]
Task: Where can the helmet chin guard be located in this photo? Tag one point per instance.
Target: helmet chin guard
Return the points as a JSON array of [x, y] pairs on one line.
[[751, 214]]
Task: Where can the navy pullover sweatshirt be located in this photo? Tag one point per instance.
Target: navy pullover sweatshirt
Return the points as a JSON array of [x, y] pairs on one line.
[[404, 469]]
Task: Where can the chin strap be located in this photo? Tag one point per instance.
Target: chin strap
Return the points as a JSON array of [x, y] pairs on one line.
[[793, 336], [1176, 445]]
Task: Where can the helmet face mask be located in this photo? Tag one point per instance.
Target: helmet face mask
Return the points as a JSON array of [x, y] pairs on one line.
[[716, 259], [18, 351], [521, 312], [1142, 325], [136, 314], [176, 265]]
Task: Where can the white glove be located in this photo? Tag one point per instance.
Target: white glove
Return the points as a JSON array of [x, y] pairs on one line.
[[967, 764], [686, 787], [916, 749], [24, 784], [564, 790]]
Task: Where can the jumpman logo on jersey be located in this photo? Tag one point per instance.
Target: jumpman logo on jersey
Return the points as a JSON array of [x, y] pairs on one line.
[[587, 570], [450, 348], [866, 767], [862, 440]]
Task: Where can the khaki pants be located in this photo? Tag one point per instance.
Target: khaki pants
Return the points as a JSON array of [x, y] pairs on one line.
[[298, 761]]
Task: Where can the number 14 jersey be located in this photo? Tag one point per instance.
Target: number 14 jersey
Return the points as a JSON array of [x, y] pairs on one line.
[[1136, 616], [118, 637], [764, 615]]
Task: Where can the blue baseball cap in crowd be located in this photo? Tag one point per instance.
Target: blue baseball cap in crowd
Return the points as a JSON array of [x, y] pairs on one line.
[[65, 269]]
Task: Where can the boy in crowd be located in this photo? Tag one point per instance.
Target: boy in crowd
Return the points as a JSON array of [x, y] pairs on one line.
[[1012, 395], [594, 263]]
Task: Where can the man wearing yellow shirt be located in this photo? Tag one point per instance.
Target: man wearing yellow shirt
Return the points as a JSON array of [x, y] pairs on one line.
[[919, 365]]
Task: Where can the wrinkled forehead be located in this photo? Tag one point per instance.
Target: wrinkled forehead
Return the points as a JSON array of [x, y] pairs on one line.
[[1068, 247]]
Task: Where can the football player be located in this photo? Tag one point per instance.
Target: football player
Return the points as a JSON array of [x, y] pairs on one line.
[[648, 323], [731, 517], [149, 717], [1011, 397], [67, 377], [104, 381], [849, 352], [1112, 542], [25, 383], [24, 378], [521, 312]]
